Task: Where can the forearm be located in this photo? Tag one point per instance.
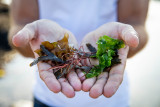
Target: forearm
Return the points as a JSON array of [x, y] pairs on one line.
[[25, 51], [127, 13], [22, 12], [143, 39]]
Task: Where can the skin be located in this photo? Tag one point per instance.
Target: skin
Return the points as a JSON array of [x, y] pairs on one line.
[[108, 83], [31, 35]]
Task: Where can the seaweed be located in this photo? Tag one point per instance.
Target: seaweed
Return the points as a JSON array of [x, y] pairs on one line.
[[49, 56], [63, 58], [107, 55]]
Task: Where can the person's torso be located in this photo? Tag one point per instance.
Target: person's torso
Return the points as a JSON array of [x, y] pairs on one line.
[[79, 16]]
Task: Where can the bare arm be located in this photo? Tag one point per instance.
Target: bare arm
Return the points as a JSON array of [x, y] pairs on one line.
[[134, 12], [22, 13]]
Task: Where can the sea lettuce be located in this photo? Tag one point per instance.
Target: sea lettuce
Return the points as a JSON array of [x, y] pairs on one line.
[[107, 55]]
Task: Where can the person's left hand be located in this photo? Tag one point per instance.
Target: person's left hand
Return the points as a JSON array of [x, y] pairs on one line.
[[108, 83]]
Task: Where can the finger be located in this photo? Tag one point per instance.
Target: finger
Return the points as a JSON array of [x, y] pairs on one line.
[[23, 37], [48, 77], [98, 87], [81, 75], [88, 83], [74, 81], [128, 34], [67, 89], [116, 74]]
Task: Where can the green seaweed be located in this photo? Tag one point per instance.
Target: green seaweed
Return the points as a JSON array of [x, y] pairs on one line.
[[106, 54]]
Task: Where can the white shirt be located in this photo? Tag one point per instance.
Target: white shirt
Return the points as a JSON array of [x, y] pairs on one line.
[[80, 17]]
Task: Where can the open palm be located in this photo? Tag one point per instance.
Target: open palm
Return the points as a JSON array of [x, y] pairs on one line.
[[108, 83], [45, 30]]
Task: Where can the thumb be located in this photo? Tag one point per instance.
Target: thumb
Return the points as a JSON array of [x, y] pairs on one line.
[[128, 34], [24, 36]]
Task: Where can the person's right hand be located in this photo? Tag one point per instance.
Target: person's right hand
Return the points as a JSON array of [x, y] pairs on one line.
[[45, 30]]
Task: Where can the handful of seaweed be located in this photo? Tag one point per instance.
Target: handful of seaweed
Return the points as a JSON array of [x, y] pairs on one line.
[[63, 58]]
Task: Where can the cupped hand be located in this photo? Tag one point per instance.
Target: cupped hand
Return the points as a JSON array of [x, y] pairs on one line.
[[108, 83], [46, 30]]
